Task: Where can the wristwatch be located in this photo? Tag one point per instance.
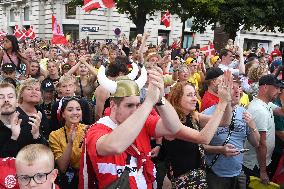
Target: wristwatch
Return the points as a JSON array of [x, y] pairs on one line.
[[161, 102]]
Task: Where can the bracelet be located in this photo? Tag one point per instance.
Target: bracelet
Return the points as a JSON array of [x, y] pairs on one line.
[[254, 129], [160, 145]]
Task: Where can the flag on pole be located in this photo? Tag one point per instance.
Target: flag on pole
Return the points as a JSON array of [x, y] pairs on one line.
[[95, 4], [166, 19], [30, 33], [18, 32], [58, 36], [208, 49]]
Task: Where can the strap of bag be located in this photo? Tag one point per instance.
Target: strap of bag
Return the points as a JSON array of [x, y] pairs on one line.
[[231, 128], [81, 87]]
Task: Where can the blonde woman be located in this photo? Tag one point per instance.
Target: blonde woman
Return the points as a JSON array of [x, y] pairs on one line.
[[34, 121]]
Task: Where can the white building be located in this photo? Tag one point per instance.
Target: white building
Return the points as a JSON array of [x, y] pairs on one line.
[[74, 20], [103, 22]]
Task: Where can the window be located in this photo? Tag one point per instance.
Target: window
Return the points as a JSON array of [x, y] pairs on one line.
[[70, 11], [12, 15], [26, 13]]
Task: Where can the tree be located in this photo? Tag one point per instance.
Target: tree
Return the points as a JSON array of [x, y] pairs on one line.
[[186, 9], [234, 15], [137, 10]]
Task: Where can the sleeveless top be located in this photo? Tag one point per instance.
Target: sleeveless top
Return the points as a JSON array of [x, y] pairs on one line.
[[185, 156], [13, 56]]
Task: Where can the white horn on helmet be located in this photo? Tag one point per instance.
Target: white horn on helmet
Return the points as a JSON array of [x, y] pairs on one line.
[[141, 81], [106, 82], [134, 72]]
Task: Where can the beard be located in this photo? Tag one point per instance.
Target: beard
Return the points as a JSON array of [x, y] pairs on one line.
[[7, 113], [10, 110]]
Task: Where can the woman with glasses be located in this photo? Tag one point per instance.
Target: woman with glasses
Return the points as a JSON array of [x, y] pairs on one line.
[[35, 167], [66, 142]]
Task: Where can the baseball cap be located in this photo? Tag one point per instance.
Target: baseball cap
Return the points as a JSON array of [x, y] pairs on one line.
[[8, 67], [213, 73], [270, 79], [47, 85]]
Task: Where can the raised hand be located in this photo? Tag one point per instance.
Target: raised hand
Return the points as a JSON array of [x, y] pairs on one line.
[[35, 121], [225, 87], [15, 126], [156, 85]]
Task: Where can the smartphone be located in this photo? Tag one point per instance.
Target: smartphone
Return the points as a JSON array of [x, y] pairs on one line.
[[244, 150]]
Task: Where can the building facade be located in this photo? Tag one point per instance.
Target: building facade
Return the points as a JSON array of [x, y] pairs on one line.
[[100, 24]]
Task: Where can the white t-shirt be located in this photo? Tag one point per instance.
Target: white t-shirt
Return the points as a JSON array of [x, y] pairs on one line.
[[262, 114]]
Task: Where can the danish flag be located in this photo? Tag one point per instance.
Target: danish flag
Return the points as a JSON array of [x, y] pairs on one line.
[[18, 33], [30, 33], [95, 4], [208, 49], [166, 19], [58, 36]]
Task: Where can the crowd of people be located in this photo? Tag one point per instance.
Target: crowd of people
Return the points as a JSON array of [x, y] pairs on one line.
[[135, 115]]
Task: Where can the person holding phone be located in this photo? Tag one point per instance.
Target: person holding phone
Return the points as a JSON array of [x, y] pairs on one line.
[[224, 159]]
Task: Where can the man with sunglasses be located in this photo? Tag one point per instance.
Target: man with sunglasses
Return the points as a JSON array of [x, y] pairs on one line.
[[35, 167]]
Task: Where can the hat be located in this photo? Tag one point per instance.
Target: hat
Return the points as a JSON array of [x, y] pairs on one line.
[[214, 60], [8, 67], [66, 66], [123, 86], [269, 79], [47, 85], [190, 60], [213, 73]]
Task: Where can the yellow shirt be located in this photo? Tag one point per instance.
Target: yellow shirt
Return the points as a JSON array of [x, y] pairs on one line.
[[57, 143]]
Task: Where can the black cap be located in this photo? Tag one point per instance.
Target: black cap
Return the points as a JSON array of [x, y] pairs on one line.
[[213, 73], [47, 85], [270, 79], [8, 67]]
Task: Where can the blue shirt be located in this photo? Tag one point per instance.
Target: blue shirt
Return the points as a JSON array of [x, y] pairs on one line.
[[229, 166]]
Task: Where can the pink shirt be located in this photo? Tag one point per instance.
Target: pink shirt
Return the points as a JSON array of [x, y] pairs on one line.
[[14, 58]]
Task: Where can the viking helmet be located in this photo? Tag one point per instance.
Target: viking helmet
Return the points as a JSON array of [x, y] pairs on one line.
[[123, 86]]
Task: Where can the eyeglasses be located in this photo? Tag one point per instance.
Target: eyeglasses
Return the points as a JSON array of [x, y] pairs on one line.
[[39, 178], [38, 53]]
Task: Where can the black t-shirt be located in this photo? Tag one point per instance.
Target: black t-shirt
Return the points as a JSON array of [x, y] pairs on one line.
[[45, 129], [183, 156]]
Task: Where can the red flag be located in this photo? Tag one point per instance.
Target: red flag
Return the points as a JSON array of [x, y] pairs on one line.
[[166, 19], [30, 33], [17, 32], [58, 36], [208, 49], [95, 4]]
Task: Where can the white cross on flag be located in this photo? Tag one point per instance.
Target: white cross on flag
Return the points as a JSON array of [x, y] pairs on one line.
[[18, 32], [166, 19], [208, 49], [30, 33], [95, 4]]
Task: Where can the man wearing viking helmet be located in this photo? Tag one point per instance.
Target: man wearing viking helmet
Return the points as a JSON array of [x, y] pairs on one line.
[[123, 139]]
